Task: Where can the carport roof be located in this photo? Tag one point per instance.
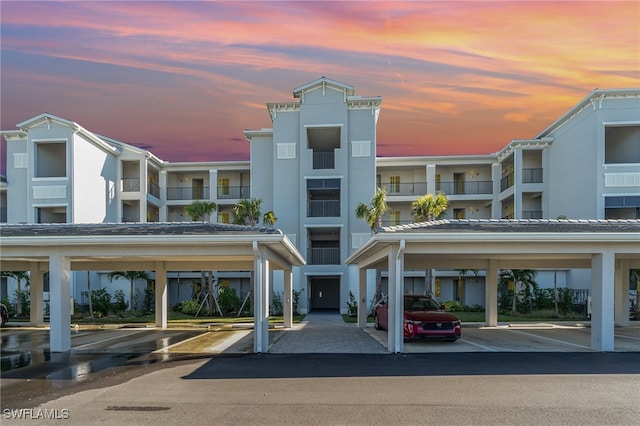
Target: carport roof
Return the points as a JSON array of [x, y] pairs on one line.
[[471, 243], [530, 225], [155, 228], [193, 244]]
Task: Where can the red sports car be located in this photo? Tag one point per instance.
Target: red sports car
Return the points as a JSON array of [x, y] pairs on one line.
[[423, 318]]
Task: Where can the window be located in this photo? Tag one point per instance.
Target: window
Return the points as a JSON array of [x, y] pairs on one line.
[[459, 213], [394, 217], [223, 217], [51, 159], [286, 151], [223, 187], [361, 148], [394, 184]]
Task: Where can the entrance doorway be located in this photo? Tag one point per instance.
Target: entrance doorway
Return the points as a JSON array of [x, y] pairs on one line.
[[325, 293]]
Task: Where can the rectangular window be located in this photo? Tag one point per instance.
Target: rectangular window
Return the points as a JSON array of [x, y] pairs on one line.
[[223, 217], [51, 159], [361, 148], [394, 217], [223, 187], [51, 214], [438, 180], [394, 184], [20, 160], [286, 151]]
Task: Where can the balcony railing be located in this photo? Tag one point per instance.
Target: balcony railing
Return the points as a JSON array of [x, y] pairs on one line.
[[323, 256], [153, 189], [188, 193], [506, 182], [531, 175], [234, 192], [410, 188], [324, 160], [130, 185], [323, 208], [131, 218], [465, 188]]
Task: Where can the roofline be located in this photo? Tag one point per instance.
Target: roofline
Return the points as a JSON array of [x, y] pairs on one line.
[[298, 90], [596, 94]]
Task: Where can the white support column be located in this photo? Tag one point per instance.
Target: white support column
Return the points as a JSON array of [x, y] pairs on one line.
[[396, 299], [36, 295], [163, 196], [491, 294], [602, 301], [288, 298], [362, 298], [161, 295], [622, 293], [261, 305], [431, 178], [59, 303]]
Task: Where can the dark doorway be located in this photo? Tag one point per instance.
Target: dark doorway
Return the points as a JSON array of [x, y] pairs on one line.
[[325, 293]]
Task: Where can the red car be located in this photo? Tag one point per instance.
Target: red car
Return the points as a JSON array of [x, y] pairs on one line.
[[423, 318]]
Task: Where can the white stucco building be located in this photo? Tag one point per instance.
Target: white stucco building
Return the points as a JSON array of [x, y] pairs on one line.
[[311, 168]]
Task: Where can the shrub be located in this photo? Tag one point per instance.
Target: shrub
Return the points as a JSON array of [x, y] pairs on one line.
[[101, 302], [149, 298], [228, 300], [352, 305], [277, 304], [189, 307], [119, 304], [453, 306], [296, 302]]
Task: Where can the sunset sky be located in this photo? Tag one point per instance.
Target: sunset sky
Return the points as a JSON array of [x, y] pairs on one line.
[[184, 79]]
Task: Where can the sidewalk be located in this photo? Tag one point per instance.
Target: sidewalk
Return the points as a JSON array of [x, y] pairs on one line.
[[325, 332]]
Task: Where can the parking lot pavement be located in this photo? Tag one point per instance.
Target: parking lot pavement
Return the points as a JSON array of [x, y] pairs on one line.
[[521, 337]]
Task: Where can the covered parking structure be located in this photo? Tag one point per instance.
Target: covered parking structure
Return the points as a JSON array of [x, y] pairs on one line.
[[160, 247], [610, 248]]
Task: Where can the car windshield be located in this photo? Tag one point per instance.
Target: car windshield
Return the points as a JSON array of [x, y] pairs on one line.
[[420, 304]]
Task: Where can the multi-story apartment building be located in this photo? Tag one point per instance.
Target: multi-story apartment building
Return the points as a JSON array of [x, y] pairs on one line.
[[316, 163]]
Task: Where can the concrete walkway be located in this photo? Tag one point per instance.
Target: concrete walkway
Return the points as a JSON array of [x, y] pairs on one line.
[[325, 332]]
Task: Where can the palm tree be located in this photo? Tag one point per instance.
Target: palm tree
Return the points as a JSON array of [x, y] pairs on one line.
[[428, 208], [523, 281], [131, 276], [269, 219], [247, 212], [372, 213], [198, 210], [18, 276]]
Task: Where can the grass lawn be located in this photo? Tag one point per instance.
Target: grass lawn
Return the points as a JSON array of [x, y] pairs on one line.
[[175, 318]]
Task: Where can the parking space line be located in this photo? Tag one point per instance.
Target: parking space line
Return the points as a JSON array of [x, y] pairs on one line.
[[486, 348], [551, 340]]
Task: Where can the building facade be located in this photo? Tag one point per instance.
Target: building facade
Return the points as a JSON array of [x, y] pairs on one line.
[[311, 168]]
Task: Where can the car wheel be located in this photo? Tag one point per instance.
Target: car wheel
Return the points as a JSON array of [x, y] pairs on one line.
[[376, 323]]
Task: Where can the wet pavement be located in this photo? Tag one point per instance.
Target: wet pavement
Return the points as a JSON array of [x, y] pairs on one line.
[[103, 354]]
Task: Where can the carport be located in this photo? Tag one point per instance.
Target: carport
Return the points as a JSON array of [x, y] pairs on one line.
[[160, 247], [610, 248]]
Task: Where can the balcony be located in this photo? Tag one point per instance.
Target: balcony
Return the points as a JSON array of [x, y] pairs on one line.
[[410, 189], [465, 188], [234, 192], [188, 193], [130, 185], [506, 182], [324, 160], [154, 189], [323, 256], [532, 175], [323, 208]]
